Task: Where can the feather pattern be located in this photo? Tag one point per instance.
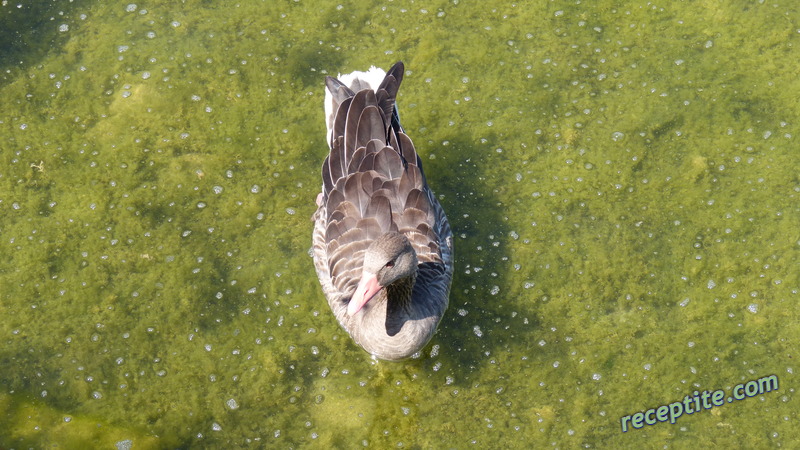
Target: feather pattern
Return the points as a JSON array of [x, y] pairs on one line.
[[375, 208]]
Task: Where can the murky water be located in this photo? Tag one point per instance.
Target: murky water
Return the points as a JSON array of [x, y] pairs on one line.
[[622, 181]]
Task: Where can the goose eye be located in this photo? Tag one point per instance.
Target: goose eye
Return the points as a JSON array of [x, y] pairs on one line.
[[390, 263]]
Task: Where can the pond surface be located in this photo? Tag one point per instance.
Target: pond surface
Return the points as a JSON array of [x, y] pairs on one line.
[[622, 181]]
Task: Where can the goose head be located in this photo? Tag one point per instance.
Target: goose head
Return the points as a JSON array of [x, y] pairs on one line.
[[388, 259]]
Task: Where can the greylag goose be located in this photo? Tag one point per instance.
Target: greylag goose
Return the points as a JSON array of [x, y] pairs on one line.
[[382, 248]]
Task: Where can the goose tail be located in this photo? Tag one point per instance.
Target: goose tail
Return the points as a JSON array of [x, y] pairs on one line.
[[345, 86]]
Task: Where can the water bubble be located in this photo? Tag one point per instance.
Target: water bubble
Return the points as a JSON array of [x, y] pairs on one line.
[[232, 404], [131, 7], [217, 189], [255, 189], [617, 136], [63, 28], [753, 308]]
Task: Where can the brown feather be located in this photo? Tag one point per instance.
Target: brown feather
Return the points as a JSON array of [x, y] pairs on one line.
[[370, 126]]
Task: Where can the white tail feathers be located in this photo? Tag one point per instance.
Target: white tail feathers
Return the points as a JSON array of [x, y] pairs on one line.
[[356, 81]]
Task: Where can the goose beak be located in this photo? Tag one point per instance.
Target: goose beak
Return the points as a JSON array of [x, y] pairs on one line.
[[367, 288]]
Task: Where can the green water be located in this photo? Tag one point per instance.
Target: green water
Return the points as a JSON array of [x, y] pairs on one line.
[[622, 181]]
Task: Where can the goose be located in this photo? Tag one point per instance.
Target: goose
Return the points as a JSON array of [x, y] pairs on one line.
[[382, 245]]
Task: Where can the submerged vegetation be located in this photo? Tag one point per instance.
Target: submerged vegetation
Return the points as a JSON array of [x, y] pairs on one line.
[[621, 182]]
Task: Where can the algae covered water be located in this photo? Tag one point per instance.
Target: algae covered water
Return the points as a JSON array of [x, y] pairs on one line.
[[621, 178]]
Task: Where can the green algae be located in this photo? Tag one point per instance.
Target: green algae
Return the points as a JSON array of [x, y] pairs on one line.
[[36, 424], [621, 180]]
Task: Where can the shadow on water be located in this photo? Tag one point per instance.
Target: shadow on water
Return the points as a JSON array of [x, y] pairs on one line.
[[30, 30], [474, 327], [299, 59]]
